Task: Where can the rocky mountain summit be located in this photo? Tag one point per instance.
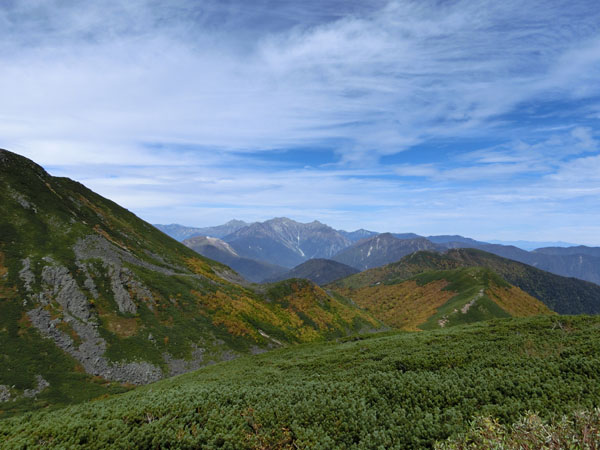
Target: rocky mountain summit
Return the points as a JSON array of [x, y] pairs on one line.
[[285, 242]]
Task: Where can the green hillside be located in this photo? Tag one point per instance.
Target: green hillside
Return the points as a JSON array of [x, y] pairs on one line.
[[437, 298], [561, 294], [94, 300], [399, 390]]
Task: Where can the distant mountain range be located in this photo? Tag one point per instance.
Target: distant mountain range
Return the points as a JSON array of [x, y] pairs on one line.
[[251, 269], [532, 245], [94, 300], [181, 232], [286, 243]]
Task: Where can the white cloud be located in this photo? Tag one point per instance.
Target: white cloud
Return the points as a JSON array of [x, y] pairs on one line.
[[99, 84]]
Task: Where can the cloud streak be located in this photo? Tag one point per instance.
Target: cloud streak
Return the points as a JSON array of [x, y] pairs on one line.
[[151, 94]]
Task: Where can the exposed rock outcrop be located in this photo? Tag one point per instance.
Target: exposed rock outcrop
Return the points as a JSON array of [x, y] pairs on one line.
[[40, 386], [5, 394], [90, 353], [60, 286]]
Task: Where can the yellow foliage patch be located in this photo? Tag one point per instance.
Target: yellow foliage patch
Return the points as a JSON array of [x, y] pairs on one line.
[[24, 324], [232, 311], [201, 267], [404, 305], [516, 302], [313, 302], [228, 310], [121, 326]]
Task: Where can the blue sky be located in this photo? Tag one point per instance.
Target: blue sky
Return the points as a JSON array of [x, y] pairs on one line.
[[479, 118]]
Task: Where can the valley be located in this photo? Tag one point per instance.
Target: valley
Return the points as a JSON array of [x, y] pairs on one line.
[[105, 320]]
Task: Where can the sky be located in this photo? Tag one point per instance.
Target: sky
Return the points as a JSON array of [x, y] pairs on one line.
[[479, 118]]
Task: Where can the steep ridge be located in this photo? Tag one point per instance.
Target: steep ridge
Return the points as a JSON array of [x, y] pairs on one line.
[[578, 262], [381, 249], [320, 271], [570, 251], [285, 242], [357, 235], [251, 269], [443, 298], [90, 293], [561, 294], [181, 232]]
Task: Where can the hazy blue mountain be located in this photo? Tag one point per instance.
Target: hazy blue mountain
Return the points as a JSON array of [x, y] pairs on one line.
[[455, 240], [354, 236], [320, 271], [406, 236], [284, 242], [181, 232], [382, 249], [564, 251], [250, 269], [532, 245], [569, 262]]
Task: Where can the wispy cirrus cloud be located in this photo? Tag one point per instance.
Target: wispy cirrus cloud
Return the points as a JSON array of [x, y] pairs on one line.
[[172, 102]]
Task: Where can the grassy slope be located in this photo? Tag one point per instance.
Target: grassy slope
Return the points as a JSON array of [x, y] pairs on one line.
[[43, 216], [561, 294], [401, 390], [438, 298]]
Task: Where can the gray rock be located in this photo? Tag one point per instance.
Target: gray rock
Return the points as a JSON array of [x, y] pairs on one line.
[[90, 353], [89, 282], [94, 246], [179, 366], [61, 286], [119, 278], [41, 385], [22, 200], [4, 393], [27, 275]]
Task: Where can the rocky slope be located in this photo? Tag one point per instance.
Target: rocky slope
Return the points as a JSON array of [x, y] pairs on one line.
[[92, 297], [320, 271], [251, 269]]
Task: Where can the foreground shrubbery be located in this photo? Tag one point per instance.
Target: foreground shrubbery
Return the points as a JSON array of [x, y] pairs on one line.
[[579, 430], [400, 390]]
